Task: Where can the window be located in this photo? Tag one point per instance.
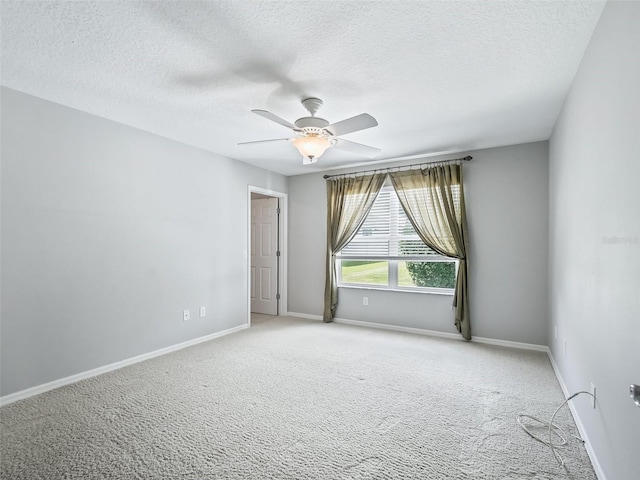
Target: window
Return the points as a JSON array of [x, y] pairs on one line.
[[387, 253]]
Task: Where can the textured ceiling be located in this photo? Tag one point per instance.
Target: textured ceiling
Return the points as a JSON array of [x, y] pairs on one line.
[[438, 76]]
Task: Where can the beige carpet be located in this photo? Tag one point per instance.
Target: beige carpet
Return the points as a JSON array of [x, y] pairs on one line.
[[297, 399]]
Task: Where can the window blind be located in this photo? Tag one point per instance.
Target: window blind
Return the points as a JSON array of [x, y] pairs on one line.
[[386, 232]]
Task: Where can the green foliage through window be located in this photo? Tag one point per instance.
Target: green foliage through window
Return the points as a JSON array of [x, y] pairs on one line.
[[428, 274], [433, 274]]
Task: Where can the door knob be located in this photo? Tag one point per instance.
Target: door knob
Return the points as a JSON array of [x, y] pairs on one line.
[[634, 392]]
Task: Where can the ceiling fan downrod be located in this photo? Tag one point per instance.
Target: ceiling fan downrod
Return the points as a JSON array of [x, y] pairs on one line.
[[312, 105]]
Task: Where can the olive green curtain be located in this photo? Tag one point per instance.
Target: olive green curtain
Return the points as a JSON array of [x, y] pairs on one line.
[[349, 200], [433, 199]]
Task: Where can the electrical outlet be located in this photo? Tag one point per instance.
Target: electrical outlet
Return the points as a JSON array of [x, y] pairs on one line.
[[593, 397], [203, 311], [365, 300], [186, 315]]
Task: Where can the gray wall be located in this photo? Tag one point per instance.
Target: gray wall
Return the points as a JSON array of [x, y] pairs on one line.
[[507, 201], [108, 233], [595, 238]]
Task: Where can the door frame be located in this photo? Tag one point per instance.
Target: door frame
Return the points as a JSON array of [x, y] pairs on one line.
[[282, 233]]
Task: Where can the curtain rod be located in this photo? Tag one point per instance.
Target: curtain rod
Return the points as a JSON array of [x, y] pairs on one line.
[[402, 167]]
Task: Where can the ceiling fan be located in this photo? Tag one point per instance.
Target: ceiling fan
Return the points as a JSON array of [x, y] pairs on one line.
[[314, 134]]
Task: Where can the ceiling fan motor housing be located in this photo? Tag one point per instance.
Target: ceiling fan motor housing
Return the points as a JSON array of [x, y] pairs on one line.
[[311, 122]]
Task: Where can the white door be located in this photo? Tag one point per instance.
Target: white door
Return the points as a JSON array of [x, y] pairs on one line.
[[264, 256]]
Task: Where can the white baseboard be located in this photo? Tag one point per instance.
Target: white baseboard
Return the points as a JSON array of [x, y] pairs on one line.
[[432, 333], [45, 387], [583, 433], [510, 344], [305, 315], [382, 326]]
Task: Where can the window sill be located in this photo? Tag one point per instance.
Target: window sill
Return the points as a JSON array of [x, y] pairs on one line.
[[445, 292]]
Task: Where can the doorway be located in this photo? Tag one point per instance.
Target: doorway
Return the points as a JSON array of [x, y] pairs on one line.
[[267, 252]]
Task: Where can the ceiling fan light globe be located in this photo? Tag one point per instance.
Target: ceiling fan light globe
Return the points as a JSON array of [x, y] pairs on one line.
[[311, 147]]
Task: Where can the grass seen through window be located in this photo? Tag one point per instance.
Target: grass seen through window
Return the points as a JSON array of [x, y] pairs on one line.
[[371, 272], [365, 272]]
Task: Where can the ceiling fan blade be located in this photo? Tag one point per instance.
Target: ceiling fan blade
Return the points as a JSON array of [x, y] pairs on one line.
[[353, 124], [265, 141], [274, 118], [356, 148]]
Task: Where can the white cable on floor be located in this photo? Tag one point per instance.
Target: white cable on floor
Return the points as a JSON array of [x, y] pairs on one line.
[[552, 428]]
